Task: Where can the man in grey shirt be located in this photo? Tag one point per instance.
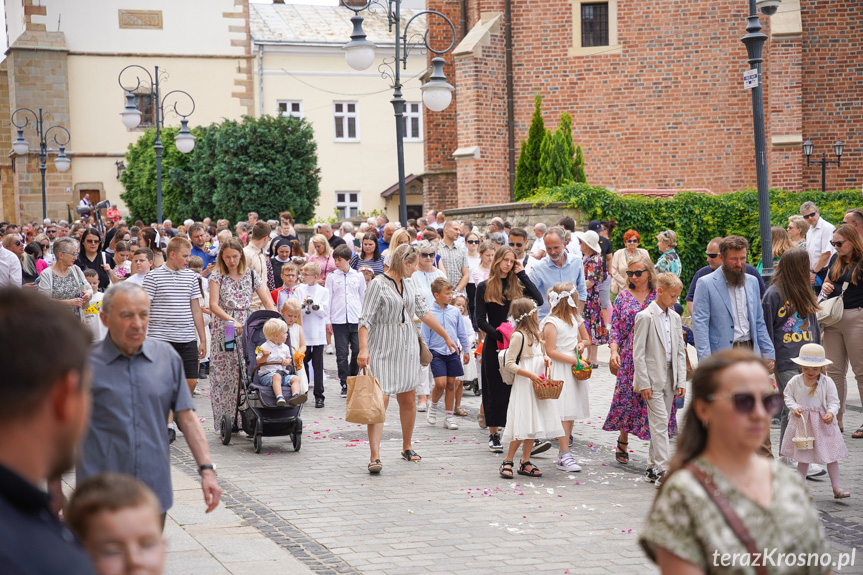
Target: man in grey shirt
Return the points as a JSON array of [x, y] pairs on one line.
[[137, 381]]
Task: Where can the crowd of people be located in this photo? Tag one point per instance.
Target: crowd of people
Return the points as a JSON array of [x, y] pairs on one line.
[[504, 310]]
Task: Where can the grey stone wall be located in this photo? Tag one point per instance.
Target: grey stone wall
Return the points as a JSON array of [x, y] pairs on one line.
[[519, 214]]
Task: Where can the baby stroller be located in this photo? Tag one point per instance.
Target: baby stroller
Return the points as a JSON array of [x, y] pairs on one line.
[[256, 403]]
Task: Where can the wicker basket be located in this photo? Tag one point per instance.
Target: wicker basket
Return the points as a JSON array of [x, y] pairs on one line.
[[803, 442], [548, 388], [581, 371]]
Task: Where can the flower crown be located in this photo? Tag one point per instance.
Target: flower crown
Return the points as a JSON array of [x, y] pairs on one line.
[[524, 315]]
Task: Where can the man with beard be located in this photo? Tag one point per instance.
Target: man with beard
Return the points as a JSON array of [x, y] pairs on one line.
[[44, 407], [714, 260], [727, 308], [560, 265]]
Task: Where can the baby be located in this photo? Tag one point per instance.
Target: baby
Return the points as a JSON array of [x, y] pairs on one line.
[[272, 357]]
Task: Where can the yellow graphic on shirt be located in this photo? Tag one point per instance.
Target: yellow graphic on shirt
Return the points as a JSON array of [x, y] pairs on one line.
[[94, 309]]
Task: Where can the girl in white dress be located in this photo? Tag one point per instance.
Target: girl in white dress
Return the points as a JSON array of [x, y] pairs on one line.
[[812, 396], [470, 372], [565, 338], [291, 313], [527, 417]]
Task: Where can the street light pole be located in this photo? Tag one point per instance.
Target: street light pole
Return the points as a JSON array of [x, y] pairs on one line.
[[131, 116], [808, 146], [437, 93], [21, 147]]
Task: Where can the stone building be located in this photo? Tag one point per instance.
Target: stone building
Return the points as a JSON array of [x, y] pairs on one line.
[[655, 90]]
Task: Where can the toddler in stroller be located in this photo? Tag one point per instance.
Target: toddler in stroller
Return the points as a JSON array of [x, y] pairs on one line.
[[275, 363]]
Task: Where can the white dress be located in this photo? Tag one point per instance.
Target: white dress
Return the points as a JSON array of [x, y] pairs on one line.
[[294, 334], [470, 371], [528, 417], [574, 401]]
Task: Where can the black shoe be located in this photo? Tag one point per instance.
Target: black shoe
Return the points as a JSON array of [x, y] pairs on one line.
[[172, 435], [540, 446], [319, 403], [494, 444], [344, 392], [651, 475], [202, 372]]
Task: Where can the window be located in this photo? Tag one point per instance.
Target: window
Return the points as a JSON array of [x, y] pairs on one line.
[[293, 108], [144, 102], [413, 119], [348, 204], [594, 25], [346, 122]]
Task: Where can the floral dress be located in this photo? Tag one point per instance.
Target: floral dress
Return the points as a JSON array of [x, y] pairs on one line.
[[235, 298], [594, 271], [669, 262], [628, 411]]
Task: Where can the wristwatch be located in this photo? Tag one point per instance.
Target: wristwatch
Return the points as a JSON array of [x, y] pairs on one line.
[[202, 468]]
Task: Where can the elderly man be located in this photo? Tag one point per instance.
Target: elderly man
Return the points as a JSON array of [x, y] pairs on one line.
[[381, 221], [346, 232], [817, 244], [253, 218], [453, 259], [854, 217], [44, 406], [559, 265], [386, 236], [137, 382], [714, 260], [495, 226], [431, 220], [334, 240], [168, 229]]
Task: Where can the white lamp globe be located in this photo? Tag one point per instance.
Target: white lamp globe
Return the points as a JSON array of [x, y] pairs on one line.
[[360, 57], [184, 140], [436, 98], [62, 161], [130, 115], [20, 145]]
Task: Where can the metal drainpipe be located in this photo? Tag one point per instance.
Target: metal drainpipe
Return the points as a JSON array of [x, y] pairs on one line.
[[261, 79], [510, 96], [464, 23]]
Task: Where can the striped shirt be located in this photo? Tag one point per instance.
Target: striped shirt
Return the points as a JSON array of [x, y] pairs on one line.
[[170, 309]]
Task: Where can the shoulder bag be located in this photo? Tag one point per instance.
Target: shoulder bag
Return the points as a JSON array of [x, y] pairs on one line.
[[505, 375], [831, 310], [425, 353], [730, 516]]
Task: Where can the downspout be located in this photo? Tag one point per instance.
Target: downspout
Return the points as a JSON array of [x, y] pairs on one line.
[[261, 79], [510, 95], [464, 23]]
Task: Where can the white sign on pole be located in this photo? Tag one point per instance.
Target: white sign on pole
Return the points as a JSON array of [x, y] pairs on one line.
[[750, 79]]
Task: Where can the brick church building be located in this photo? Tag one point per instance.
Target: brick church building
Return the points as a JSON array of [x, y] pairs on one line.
[[655, 89]]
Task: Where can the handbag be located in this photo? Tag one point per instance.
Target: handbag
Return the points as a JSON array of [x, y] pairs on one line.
[[730, 516], [425, 353], [365, 401], [832, 309], [505, 375]]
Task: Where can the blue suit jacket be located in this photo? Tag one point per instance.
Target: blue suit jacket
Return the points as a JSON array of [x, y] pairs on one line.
[[713, 319]]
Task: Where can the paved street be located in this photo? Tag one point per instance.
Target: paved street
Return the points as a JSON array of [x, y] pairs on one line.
[[450, 513]]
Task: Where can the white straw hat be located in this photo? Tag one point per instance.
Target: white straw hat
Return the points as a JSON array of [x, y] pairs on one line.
[[812, 355], [591, 238]]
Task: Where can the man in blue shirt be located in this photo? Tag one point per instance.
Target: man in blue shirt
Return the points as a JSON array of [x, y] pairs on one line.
[[714, 261], [198, 235], [558, 266], [386, 235]]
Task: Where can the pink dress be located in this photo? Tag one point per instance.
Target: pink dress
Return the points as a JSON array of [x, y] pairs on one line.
[[829, 445]]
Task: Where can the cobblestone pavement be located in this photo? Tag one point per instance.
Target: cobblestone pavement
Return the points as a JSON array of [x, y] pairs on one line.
[[451, 513]]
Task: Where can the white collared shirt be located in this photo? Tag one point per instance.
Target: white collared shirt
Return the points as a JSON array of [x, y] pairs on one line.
[[10, 269], [347, 291], [737, 295], [818, 240], [665, 319]]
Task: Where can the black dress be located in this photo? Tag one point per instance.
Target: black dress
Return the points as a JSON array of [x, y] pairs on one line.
[[489, 316], [96, 265]]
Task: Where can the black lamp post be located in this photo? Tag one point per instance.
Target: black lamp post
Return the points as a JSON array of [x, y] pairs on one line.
[[838, 147], [131, 117], [754, 41], [437, 93], [60, 136]]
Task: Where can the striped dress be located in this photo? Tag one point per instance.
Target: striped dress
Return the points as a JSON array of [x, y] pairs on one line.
[[394, 353]]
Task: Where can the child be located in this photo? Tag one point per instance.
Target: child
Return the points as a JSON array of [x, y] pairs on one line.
[[470, 371], [196, 264], [289, 274], [659, 356], [527, 417], [445, 366], [118, 518], [368, 273], [292, 313], [812, 396], [142, 263], [119, 266], [91, 313], [565, 338], [347, 289], [315, 300], [274, 354]]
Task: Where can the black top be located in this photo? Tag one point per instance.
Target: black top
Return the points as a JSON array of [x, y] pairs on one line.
[[490, 315], [335, 241], [84, 263], [854, 295], [277, 271], [32, 540], [605, 250], [280, 240]]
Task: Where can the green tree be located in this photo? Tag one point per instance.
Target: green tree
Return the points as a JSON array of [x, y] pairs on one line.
[[556, 163], [580, 176], [527, 170]]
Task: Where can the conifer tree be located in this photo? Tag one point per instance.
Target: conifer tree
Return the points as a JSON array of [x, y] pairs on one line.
[[528, 168], [580, 176]]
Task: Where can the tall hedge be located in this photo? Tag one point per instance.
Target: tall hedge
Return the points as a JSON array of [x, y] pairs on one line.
[[697, 218]]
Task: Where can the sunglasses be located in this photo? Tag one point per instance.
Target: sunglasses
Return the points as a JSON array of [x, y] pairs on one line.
[[632, 241], [636, 273], [711, 256], [838, 244], [807, 216], [431, 255], [51, 231], [744, 402], [471, 241], [515, 245], [18, 242], [45, 246], [92, 241]]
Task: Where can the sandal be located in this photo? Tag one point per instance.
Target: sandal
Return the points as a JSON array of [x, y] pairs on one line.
[[858, 434], [621, 455], [411, 455], [460, 411], [375, 466], [839, 493], [506, 467], [534, 470]]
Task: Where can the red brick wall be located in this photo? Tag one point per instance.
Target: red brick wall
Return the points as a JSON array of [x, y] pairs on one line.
[[784, 116]]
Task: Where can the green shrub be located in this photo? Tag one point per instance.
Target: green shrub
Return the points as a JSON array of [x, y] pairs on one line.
[[527, 170]]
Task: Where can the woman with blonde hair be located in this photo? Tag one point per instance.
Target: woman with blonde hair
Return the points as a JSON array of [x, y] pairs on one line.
[[669, 261], [321, 253], [400, 237], [797, 228], [780, 243]]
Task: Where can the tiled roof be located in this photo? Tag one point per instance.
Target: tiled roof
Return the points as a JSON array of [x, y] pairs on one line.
[[661, 192], [394, 189], [308, 24]]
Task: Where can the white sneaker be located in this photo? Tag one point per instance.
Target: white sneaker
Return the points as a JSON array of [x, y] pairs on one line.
[[566, 462], [449, 423], [431, 416], [815, 471], [329, 349]]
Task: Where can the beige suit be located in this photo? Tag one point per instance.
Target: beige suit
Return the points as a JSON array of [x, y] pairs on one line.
[[653, 371]]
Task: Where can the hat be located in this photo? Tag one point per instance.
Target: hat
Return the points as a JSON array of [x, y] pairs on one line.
[[591, 238], [811, 355], [594, 226]]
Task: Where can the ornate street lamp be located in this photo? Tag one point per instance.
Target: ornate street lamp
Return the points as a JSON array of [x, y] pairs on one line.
[[437, 93], [131, 117], [838, 147], [57, 133]]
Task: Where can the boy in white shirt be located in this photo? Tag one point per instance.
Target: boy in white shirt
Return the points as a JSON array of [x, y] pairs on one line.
[[316, 313], [347, 289], [272, 357], [142, 262]]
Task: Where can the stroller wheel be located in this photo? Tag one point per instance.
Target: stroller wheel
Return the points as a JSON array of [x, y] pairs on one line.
[[476, 389], [259, 442], [225, 429], [297, 440]]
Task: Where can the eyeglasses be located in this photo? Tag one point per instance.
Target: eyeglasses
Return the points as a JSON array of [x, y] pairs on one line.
[[45, 246], [515, 245], [471, 241], [92, 241], [636, 273], [51, 231], [807, 216], [431, 255], [632, 241], [711, 255], [73, 254], [838, 244], [744, 402]]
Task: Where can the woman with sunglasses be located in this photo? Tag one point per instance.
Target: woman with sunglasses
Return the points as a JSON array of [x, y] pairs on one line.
[[45, 247], [472, 242], [91, 257], [15, 244], [844, 339], [425, 274], [716, 464], [628, 412], [620, 260]]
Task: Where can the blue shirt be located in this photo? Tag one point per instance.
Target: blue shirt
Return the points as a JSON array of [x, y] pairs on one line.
[[382, 245], [709, 270], [208, 259], [546, 273], [132, 396], [450, 318]]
